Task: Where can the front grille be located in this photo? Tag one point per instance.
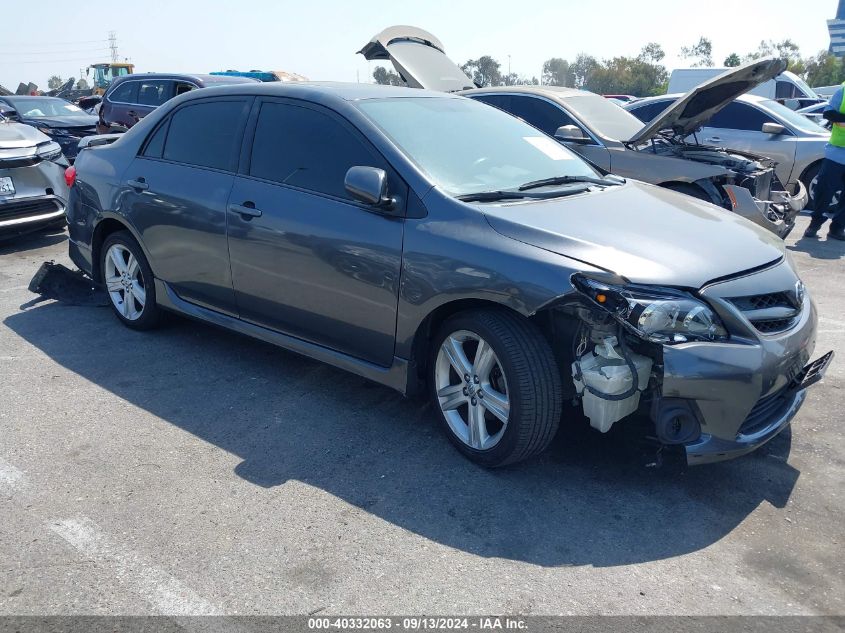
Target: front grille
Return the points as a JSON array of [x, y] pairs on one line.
[[770, 313], [766, 410], [773, 326], [761, 302], [26, 208]]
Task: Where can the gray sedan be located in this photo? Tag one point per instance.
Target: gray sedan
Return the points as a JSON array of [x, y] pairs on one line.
[[790, 138], [434, 244]]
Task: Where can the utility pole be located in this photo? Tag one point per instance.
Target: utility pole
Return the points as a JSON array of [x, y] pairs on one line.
[[113, 45]]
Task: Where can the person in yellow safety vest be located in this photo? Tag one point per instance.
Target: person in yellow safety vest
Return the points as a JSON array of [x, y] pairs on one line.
[[831, 176]]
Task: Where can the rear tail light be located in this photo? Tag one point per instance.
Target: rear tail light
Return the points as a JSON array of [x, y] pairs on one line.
[[70, 176]]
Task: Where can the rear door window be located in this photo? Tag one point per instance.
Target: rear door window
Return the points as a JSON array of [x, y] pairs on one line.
[[739, 116], [206, 134], [153, 93], [539, 113], [649, 111], [127, 92], [307, 148]]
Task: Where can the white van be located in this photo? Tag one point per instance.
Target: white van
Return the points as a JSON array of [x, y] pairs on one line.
[[787, 87]]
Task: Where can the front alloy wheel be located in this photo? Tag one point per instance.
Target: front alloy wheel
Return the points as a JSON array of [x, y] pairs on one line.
[[473, 394], [496, 386]]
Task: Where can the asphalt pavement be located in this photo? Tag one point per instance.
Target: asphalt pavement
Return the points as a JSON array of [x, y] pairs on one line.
[[194, 471]]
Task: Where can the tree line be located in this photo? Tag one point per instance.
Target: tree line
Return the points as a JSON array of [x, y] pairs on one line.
[[642, 75]]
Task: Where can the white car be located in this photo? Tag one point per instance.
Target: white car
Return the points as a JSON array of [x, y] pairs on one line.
[[759, 125]]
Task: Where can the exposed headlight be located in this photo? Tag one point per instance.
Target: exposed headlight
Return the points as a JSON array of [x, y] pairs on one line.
[[659, 315], [45, 130], [49, 151]]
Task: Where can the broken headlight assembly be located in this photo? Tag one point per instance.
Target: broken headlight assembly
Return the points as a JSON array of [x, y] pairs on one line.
[[658, 315]]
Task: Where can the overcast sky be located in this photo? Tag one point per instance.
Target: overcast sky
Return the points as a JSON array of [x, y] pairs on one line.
[[319, 38]]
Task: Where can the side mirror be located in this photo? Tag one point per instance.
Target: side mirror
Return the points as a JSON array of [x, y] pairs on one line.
[[773, 128], [8, 113], [570, 133], [368, 185]]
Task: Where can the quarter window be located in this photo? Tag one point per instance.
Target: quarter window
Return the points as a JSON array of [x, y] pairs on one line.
[[206, 134], [155, 145], [305, 148]]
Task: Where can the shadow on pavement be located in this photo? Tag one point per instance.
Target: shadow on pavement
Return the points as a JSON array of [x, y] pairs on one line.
[[32, 241], [821, 248], [590, 500]]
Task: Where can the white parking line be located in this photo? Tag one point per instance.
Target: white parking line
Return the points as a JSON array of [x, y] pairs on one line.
[[168, 595], [10, 477]]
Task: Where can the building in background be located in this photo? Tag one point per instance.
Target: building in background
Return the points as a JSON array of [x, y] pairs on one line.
[[836, 28]]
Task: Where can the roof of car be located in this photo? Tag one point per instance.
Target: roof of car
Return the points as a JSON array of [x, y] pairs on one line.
[[195, 77], [551, 91], [312, 89]]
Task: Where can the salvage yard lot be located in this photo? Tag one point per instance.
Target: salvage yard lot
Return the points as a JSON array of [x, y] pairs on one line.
[[191, 470]]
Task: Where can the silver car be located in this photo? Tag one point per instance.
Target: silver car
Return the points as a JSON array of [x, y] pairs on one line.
[[614, 140], [756, 124], [33, 193]]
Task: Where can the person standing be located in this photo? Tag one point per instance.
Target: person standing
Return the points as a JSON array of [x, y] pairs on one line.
[[831, 177]]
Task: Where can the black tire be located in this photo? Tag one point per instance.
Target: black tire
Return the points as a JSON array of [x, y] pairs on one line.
[[809, 176], [533, 384], [150, 313], [690, 190]]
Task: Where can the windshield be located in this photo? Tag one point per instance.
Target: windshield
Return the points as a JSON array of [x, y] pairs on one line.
[[467, 147], [603, 116], [47, 107], [793, 118], [808, 92]]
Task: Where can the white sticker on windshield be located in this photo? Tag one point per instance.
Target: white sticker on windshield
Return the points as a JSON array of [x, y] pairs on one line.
[[549, 147]]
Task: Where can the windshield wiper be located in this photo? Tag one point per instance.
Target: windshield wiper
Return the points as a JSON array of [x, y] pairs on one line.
[[565, 180], [492, 196]]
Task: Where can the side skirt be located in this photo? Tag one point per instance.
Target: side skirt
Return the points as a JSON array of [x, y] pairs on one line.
[[395, 376]]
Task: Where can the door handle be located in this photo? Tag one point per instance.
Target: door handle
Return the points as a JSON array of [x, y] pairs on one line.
[[140, 184], [246, 210], [714, 139]]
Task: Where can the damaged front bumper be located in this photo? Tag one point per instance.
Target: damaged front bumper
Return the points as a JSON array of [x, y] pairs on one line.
[[771, 415], [743, 392], [777, 215]]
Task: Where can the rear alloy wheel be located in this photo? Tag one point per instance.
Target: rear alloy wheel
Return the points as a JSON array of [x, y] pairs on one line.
[[496, 385], [129, 281]]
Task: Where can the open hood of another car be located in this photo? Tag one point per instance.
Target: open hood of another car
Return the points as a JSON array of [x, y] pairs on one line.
[[696, 107], [418, 57]]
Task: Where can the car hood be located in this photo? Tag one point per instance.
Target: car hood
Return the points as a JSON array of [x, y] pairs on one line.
[[692, 110], [647, 234], [418, 57], [15, 135], [75, 120]]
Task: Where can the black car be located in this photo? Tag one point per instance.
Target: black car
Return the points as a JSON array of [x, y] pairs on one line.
[[129, 99], [62, 121]]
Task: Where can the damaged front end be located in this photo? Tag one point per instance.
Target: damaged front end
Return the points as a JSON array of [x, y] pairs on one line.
[[714, 373], [749, 186]]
